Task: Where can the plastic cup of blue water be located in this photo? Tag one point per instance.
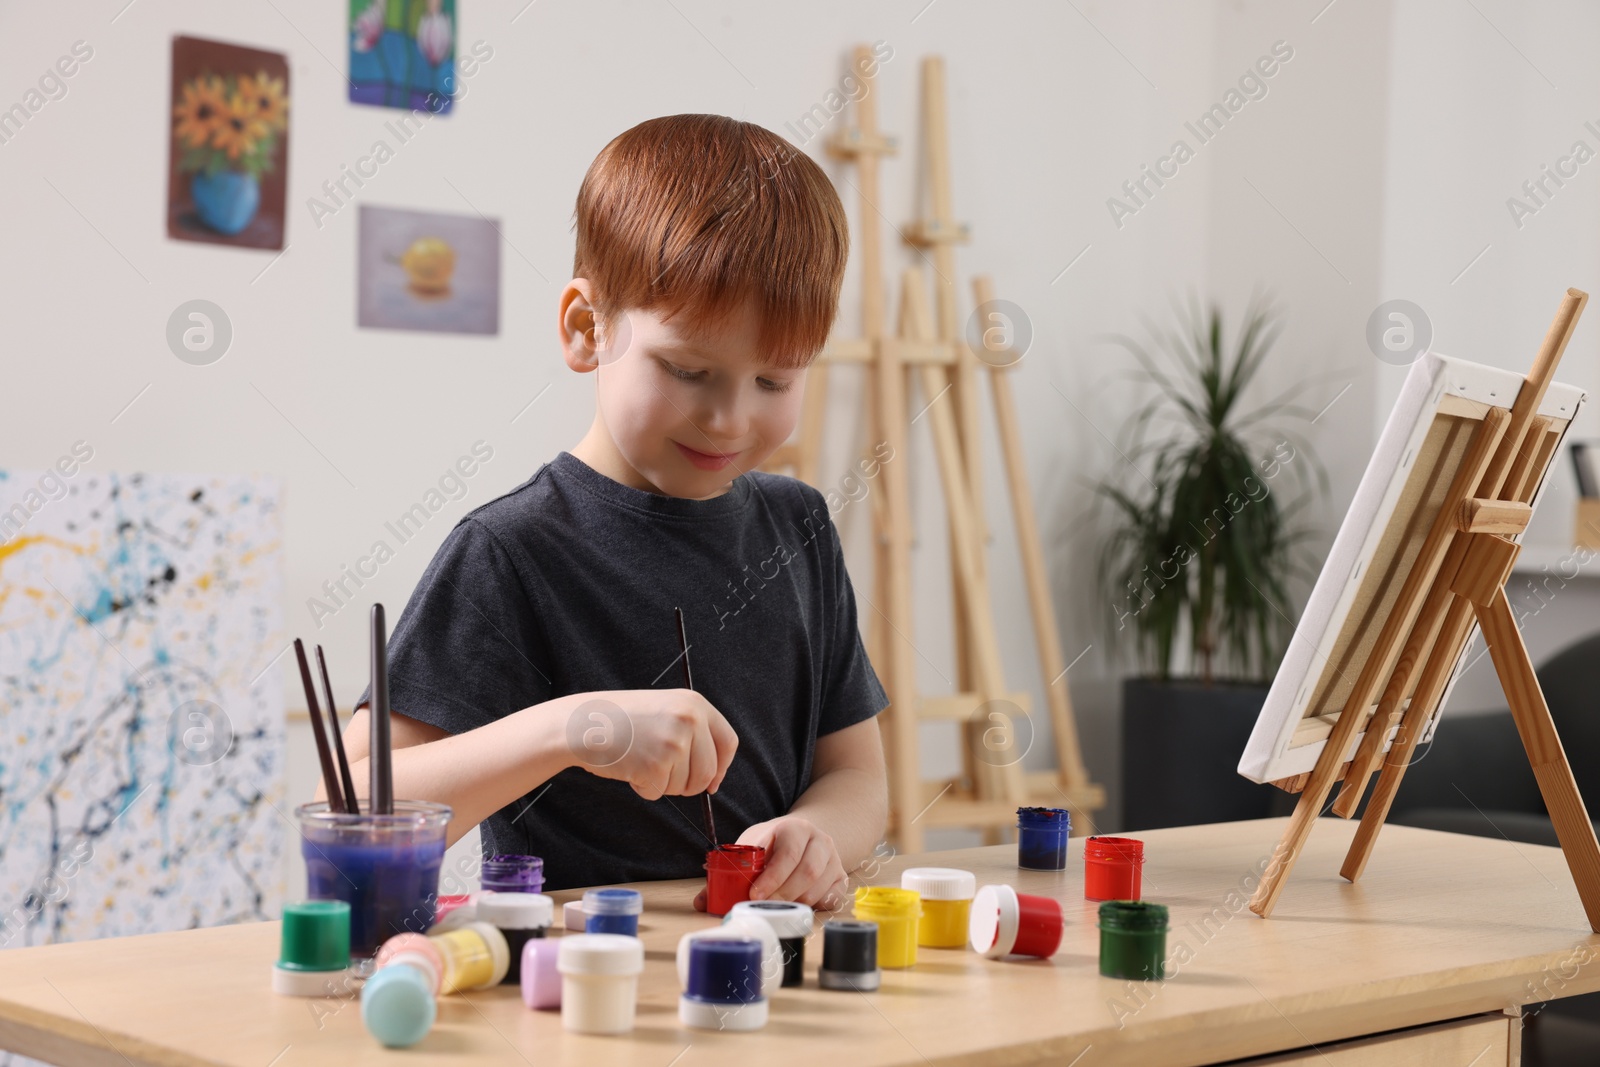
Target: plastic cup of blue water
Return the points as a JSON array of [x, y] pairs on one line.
[[386, 867]]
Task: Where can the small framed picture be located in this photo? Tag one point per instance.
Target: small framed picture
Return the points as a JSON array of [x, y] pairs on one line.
[[403, 54], [423, 270], [229, 144]]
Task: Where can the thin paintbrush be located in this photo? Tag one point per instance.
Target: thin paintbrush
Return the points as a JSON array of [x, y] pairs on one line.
[[688, 683], [382, 793], [330, 778], [350, 801]]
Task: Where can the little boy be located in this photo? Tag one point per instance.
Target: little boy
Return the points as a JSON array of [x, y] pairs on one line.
[[535, 675]]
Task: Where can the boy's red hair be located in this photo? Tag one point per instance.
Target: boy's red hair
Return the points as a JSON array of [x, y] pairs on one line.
[[693, 214]]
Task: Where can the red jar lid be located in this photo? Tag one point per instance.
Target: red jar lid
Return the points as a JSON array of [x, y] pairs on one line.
[[1114, 850], [750, 859]]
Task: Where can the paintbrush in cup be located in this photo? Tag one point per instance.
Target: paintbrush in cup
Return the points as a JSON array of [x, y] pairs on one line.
[[330, 778]]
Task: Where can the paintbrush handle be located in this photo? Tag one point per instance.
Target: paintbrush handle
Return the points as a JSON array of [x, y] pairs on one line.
[[330, 779], [382, 786], [352, 805], [688, 683], [711, 822]]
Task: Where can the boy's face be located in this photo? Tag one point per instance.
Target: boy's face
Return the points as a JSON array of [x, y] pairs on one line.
[[678, 415]]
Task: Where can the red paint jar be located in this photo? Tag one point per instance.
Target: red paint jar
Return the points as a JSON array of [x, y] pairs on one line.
[[1004, 922], [444, 905], [1112, 867], [730, 870]]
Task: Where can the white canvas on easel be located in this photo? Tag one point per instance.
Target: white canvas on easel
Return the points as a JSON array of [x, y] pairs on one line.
[[1421, 561], [1440, 402]]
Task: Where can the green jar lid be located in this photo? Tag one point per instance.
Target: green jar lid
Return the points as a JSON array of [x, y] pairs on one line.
[[1133, 915], [316, 936]]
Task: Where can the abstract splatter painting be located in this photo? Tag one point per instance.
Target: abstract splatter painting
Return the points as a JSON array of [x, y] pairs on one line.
[[141, 717]]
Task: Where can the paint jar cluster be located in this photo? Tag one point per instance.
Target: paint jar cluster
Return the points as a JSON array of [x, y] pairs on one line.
[[1133, 931], [448, 944], [727, 974]]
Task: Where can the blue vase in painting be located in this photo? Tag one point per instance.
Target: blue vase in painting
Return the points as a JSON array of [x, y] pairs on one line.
[[227, 200]]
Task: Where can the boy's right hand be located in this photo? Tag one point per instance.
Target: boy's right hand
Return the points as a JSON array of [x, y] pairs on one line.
[[660, 741]]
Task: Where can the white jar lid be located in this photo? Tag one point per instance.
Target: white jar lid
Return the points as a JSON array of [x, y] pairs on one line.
[[786, 917], [427, 965], [616, 954], [738, 929], [992, 925], [293, 983], [705, 1016], [515, 911], [573, 917], [940, 883]]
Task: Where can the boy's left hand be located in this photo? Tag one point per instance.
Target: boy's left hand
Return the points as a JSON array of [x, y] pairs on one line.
[[802, 864]]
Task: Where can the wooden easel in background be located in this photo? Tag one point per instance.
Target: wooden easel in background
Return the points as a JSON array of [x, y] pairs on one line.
[[993, 784], [1461, 573]]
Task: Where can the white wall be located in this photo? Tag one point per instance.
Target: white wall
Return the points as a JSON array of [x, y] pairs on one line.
[[1379, 160], [1472, 117]]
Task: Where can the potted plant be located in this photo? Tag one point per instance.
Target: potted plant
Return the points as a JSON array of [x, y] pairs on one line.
[[1199, 563]]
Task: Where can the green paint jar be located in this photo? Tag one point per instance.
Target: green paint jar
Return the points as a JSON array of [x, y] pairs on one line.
[[1133, 939]]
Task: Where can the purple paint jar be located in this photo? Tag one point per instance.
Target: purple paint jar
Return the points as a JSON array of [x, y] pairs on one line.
[[512, 874]]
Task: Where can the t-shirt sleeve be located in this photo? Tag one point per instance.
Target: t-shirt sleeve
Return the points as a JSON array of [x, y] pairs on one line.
[[852, 692], [467, 649]]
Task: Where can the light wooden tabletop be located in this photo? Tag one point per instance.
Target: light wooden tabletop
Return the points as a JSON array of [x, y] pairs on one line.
[[1441, 926]]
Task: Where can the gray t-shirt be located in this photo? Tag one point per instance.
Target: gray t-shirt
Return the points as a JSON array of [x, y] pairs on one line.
[[567, 584]]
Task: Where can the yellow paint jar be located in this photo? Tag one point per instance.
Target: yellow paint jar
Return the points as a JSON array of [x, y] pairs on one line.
[[476, 956], [946, 895], [896, 912]]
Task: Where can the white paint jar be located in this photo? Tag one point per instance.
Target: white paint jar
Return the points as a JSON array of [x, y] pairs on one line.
[[599, 982]]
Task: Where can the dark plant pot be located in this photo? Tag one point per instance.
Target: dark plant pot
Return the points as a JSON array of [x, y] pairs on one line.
[[1181, 743]]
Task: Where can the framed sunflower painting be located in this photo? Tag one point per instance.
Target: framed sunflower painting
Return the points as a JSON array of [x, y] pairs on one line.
[[229, 150], [403, 54]]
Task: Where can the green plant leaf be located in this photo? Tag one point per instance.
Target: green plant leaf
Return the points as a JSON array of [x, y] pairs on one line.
[[1203, 539]]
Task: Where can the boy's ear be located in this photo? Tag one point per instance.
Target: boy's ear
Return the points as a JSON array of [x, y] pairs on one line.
[[576, 326]]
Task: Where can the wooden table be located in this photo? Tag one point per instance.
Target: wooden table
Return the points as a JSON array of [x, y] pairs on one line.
[[1442, 928]]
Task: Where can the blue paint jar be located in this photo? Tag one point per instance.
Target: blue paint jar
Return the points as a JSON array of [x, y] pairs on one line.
[[612, 911], [1042, 838], [723, 988]]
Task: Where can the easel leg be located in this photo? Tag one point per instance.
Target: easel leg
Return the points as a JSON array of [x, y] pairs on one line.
[[877, 633], [1069, 755], [1418, 647], [1289, 846], [1550, 766], [901, 683], [1430, 686], [982, 643]]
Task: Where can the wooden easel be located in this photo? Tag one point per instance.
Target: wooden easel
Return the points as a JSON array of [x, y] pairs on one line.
[[933, 345], [1460, 574]]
